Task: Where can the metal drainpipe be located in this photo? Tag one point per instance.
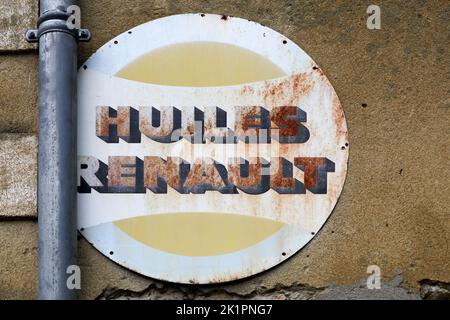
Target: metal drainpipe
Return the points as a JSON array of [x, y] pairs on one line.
[[57, 146]]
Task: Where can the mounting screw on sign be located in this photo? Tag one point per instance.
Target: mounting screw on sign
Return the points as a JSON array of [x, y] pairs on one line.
[[208, 154]]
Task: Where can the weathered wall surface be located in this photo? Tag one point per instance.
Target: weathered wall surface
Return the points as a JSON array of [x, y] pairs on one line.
[[394, 210]]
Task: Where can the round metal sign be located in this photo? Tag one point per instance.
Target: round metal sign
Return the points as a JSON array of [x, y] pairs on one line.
[[210, 148]]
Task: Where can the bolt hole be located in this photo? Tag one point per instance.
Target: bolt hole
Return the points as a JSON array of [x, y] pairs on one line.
[[346, 144], [315, 68], [85, 67], [202, 15], [283, 254], [81, 229], [111, 252], [313, 233], [116, 42], [364, 105], [130, 32], [284, 41]]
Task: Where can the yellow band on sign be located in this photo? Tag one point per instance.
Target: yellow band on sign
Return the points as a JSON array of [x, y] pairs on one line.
[[200, 64]]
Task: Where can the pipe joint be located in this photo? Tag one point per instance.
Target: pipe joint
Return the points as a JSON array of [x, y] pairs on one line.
[[57, 20]]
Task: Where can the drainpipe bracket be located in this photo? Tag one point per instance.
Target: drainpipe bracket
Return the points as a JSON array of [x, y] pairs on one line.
[[32, 35], [56, 21]]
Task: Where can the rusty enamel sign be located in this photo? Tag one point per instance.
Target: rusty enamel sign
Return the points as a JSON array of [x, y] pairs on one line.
[[210, 148]]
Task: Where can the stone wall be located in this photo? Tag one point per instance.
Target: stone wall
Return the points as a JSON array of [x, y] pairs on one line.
[[394, 210]]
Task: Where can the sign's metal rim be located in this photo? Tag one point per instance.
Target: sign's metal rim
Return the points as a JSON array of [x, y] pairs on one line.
[[128, 46]]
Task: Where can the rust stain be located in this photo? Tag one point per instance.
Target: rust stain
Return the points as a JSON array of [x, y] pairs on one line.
[[169, 170], [203, 171], [190, 129], [104, 120], [276, 178], [339, 120], [166, 116], [120, 176], [247, 90], [317, 69], [288, 91], [254, 174], [209, 123], [310, 165], [165, 127], [248, 120], [287, 127], [123, 121], [102, 123]]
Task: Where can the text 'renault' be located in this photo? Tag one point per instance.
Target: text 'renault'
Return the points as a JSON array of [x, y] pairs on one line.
[[200, 126]]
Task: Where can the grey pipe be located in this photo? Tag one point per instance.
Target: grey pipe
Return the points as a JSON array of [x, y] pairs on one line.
[[57, 155]]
